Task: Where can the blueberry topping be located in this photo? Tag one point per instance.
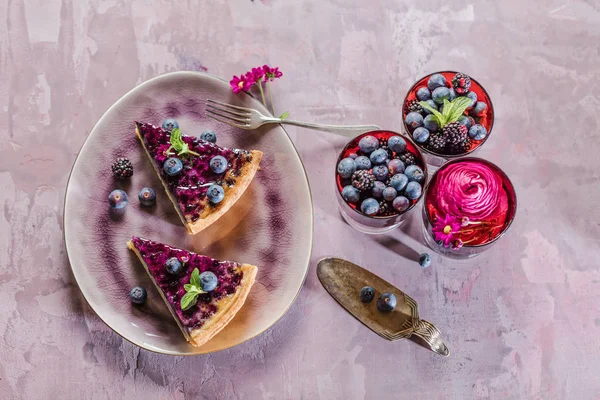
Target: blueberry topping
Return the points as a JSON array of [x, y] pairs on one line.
[[174, 266], [420, 135], [362, 162], [370, 206], [209, 136], [386, 302], [424, 260], [452, 94], [379, 156], [397, 144], [436, 81], [368, 144], [215, 193], [399, 182], [440, 94], [396, 166], [169, 124], [466, 121], [118, 199], [401, 204], [218, 164], [138, 295], [377, 190], [413, 120], [381, 172], [423, 94], [367, 294], [413, 190], [389, 193], [346, 167], [208, 281], [430, 122], [477, 132], [351, 194], [173, 166], [473, 97], [147, 196], [480, 108], [414, 173], [432, 104]]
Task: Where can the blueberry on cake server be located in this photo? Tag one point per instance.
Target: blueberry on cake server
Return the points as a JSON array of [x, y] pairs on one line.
[[203, 180], [203, 294]]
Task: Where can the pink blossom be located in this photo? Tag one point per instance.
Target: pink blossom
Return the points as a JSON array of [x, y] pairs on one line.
[[272, 73], [257, 73], [444, 230], [243, 82]]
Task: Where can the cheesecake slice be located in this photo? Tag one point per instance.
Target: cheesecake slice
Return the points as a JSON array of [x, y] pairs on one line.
[[188, 189], [175, 274]]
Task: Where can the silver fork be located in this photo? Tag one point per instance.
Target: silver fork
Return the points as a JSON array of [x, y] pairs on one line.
[[248, 118]]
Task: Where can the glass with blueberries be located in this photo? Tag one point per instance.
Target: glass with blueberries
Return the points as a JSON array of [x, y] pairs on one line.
[[448, 114], [379, 178]]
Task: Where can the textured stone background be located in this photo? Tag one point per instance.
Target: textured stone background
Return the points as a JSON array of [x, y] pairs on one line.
[[522, 321]]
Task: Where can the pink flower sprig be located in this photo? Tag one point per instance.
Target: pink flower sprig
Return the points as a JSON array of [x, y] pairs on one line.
[[257, 77], [445, 230]]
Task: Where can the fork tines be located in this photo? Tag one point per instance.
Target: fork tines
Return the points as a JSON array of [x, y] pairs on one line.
[[236, 116]]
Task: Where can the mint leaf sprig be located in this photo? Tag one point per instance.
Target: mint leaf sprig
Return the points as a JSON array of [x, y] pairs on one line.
[[193, 290], [177, 144], [451, 112]]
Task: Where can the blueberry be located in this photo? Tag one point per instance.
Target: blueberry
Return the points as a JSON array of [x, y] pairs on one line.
[[440, 94], [346, 167], [430, 122], [169, 124], [381, 172], [452, 94], [209, 136], [117, 199], [399, 182], [420, 135], [367, 294], [389, 193], [353, 156], [423, 94], [138, 295], [174, 266], [396, 166], [369, 206], [401, 203], [436, 81], [473, 97], [208, 281], [415, 173], [477, 132], [377, 190], [218, 164], [172, 166], [368, 144], [397, 144], [413, 190], [432, 104], [480, 108], [379, 156], [362, 162], [215, 193], [424, 260], [386, 302], [466, 121], [351, 194], [413, 120], [147, 196]]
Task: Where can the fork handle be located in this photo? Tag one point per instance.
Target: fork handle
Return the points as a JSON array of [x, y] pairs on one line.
[[350, 131]]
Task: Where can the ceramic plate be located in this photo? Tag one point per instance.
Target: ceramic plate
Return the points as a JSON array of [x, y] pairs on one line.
[[270, 226]]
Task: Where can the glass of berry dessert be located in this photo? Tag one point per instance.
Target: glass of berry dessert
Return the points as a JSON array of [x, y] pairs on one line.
[[469, 204], [448, 114], [379, 177]]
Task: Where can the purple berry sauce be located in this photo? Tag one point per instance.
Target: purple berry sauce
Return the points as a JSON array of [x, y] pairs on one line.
[[155, 255], [190, 186]]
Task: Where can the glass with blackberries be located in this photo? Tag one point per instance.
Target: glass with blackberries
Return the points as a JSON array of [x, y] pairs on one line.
[[469, 204], [449, 115], [379, 179]]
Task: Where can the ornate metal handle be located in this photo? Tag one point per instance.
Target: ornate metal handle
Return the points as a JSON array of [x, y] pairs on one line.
[[431, 336]]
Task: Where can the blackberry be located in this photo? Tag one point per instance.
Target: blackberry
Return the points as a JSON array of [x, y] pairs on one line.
[[385, 209], [413, 106], [382, 141], [436, 142], [455, 133], [459, 148], [407, 158], [461, 83], [122, 168], [363, 180]]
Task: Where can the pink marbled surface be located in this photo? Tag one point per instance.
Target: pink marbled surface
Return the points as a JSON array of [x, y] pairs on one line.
[[522, 321]]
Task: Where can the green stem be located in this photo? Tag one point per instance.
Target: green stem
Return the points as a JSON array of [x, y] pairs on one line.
[[262, 93], [271, 98]]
